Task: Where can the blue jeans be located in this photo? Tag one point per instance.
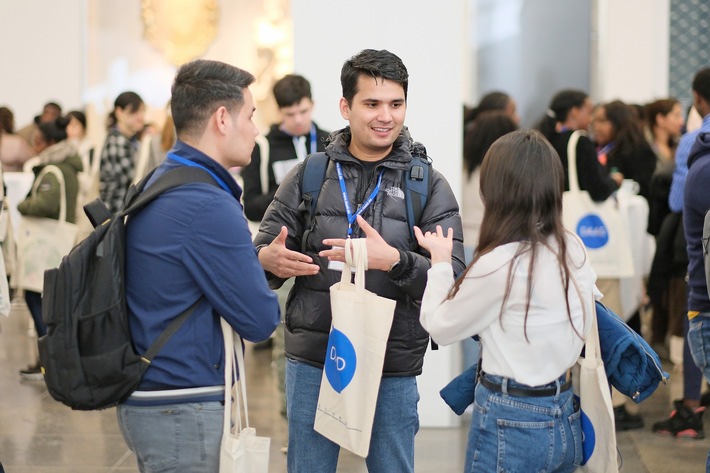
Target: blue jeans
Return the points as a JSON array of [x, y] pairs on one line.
[[536, 434], [699, 342], [34, 304], [395, 425], [173, 437]]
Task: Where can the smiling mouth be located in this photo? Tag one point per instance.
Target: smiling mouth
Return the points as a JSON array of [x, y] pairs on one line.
[[382, 130]]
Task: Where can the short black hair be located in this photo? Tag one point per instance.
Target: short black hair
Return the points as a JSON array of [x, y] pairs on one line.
[[291, 89], [380, 64], [54, 131], [199, 88], [701, 83]]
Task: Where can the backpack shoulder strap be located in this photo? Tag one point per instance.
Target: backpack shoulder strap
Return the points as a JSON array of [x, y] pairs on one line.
[[314, 168], [138, 198], [417, 186]]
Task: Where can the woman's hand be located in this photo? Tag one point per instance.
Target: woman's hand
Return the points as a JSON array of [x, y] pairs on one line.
[[436, 243]]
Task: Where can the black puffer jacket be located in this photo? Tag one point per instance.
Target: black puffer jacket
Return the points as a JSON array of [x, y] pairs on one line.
[[308, 315]]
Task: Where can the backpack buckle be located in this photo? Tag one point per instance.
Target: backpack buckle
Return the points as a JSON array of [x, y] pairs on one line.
[[416, 173]]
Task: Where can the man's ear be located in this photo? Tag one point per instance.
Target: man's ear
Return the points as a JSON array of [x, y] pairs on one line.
[[221, 118], [344, 108]]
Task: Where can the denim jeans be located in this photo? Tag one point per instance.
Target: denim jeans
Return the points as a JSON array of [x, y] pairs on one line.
[[531, 434], [173, 437], [699, 342], [395, 425], [34, 304]]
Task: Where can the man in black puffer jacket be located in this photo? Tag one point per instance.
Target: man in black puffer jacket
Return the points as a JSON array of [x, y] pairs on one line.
[[375, 147]]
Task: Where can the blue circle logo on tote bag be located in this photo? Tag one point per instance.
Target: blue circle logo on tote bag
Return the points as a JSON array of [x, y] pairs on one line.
[[589, 437], [592, 231], [340, 360]]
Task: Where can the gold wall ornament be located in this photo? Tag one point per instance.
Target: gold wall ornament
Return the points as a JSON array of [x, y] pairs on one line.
[[180, 29]]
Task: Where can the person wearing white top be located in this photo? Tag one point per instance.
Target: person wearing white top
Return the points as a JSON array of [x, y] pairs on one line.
[[528, 294]]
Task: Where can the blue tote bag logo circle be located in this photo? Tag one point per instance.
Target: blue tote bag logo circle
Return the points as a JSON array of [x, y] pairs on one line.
[[340, 361], [592, 231], [589, 437]]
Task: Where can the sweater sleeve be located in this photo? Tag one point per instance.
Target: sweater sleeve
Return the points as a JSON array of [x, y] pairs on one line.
[[45, 202], [222, 257], [475, 306]]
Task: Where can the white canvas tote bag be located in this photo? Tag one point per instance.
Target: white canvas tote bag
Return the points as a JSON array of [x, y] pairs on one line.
[[356, 353]]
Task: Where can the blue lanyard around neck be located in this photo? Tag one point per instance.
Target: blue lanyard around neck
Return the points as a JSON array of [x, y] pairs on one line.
[[193, 164], [314, 142], [346, 200], [313, 139], [606, 149]]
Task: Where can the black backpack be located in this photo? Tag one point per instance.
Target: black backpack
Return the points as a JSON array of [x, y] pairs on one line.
[[87, 355]]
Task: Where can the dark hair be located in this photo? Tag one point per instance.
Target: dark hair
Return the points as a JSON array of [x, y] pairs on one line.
[[490, 101], [522, 181], [7, 120], [291, 89], [627, 133], [701, 83], [54, 131], [79, 116], [560, 106], [658, 107], [480, 134], [202, 86], [380, 64], [128, 101], [49, 105]]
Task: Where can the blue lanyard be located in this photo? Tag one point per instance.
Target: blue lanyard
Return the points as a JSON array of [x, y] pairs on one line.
[[193, 164], [314, 142], [346, 200], [606, 149]]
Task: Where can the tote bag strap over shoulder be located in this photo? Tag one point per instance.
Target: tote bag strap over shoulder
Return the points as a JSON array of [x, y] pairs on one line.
[[57, 173], [572, 161]]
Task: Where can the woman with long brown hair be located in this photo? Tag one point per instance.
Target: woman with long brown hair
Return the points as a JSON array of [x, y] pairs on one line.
[[529, 295]]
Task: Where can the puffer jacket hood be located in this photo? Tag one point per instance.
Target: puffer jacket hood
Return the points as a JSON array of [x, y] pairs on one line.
[[308, 313]]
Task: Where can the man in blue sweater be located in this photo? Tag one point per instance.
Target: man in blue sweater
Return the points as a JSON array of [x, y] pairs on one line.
[[192, 244], [686, 419], [696, 203]]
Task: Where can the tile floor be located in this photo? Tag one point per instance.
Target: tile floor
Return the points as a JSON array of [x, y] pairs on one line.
[[37, 434]]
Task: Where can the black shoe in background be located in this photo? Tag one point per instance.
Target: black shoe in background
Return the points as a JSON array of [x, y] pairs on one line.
[[683, 422], [623, 420], [32, 373]]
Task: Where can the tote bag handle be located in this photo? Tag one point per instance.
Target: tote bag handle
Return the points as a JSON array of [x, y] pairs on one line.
[[52, 169], [572, 161], [232, 347], [356, 257]]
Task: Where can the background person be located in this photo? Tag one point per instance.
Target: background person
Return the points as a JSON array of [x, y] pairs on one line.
[[118, 155]]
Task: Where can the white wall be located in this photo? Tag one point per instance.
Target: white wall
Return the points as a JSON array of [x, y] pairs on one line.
[[43, 55], [431, 42], [630, 50]]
